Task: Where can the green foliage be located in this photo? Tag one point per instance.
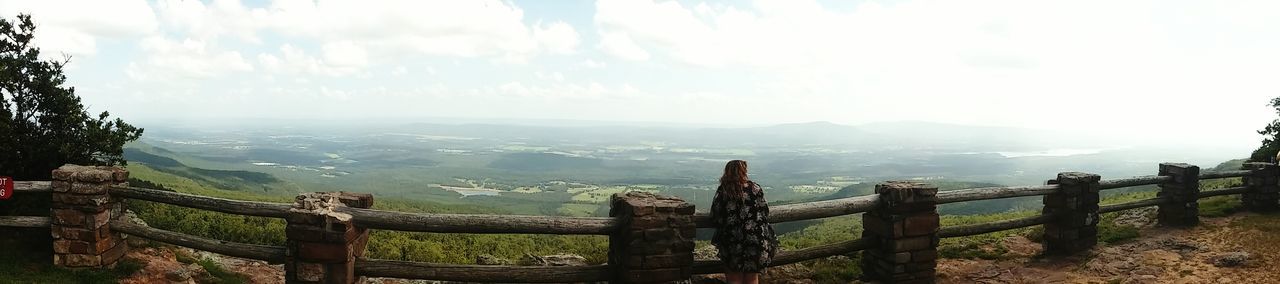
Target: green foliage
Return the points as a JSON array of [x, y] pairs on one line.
[[1271, 143], [1219, 206], [444, 248], [230, 179], [984, 246], [25, 264], [836, 270], [1231, 165], [43, 125]]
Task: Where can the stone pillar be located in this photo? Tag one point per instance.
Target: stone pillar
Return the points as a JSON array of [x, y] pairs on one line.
[[1074, 207], [903, 228], [323, 244], [655, 242], [81, 208], [1264, 187], [1181, 207]]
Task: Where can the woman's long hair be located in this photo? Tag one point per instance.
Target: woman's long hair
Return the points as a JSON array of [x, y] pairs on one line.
[[731, 183]]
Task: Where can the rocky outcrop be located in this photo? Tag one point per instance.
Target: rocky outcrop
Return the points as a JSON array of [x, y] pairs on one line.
[[1231, 259], [563, 259]]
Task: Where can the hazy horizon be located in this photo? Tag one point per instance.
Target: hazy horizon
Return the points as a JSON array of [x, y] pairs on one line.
[[1200, 72]]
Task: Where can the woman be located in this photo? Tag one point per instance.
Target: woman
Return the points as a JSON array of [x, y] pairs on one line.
[[744, 237]]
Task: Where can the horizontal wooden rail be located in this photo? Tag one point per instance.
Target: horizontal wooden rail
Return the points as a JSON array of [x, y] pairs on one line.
[[32, 186], [1224, 174], [794, 256], [1133, 181], [481, 224], [271, 254], [1224, 191], [238, 207], [821, 209], [987, 193], [481, 273], [1129, 205], [807, 210], [978, 229], [24, 221]]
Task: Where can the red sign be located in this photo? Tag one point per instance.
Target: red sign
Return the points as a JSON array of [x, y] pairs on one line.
[[6, 187]]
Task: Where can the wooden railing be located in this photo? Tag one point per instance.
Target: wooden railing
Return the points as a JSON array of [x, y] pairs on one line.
[[613, 226]]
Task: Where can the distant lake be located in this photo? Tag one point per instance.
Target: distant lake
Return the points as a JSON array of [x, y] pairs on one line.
[[1051, 153], [470, 191]]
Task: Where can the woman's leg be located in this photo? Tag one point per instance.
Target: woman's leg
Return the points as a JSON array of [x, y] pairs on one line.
[[733, 277], [750, 278]]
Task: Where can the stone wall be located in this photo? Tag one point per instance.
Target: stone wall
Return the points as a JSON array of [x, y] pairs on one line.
[[1074, 208], [322, 244], [655, 242], [82, 206], [903, 229]]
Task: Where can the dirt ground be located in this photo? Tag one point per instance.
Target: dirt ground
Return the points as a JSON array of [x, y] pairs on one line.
[[1159, 255]]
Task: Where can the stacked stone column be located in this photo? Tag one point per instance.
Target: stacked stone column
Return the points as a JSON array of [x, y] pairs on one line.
[[655, 241], [1181, 195], [1264, 187], [82, 207], [323, 244], [1074, 207], [903, 228]]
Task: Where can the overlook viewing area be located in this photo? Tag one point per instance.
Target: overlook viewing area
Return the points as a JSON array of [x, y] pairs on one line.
[[651, 237]]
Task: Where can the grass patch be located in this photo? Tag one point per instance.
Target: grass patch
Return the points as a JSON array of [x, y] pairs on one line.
[[836, 270], [1219, 206], [1109, 232], [219, 274], [22, 268], [984, 246]]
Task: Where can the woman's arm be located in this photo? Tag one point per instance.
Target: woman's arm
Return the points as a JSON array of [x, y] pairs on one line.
[[761, 203], [717, 208]]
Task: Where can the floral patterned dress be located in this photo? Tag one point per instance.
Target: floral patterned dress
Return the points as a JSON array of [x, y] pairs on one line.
[[744, 237]]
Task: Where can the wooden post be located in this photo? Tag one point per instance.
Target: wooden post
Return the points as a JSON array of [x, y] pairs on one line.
[[1180, 207], [655, 242], [1264, 187], [82, 207], [903, 228], [322, 244], [1074, 207]]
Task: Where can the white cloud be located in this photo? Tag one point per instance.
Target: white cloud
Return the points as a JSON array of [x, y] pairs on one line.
[[74, 27], [620, 45], [558, 37], [188, 59], [592, 64], [345, 54], [207, 21], [449, 28], [338, 60]]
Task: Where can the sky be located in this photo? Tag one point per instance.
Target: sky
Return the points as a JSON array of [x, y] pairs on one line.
[[1172, 70]]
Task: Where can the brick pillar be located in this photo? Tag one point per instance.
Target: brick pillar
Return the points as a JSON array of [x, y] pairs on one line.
[[323, 245], [904, 230], [1264, 187], [1074, 227], [82, 206], [655, 242], [1181, 207]]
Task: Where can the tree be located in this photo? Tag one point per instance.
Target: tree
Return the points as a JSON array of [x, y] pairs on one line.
[[43, 125], [1270, 143]]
